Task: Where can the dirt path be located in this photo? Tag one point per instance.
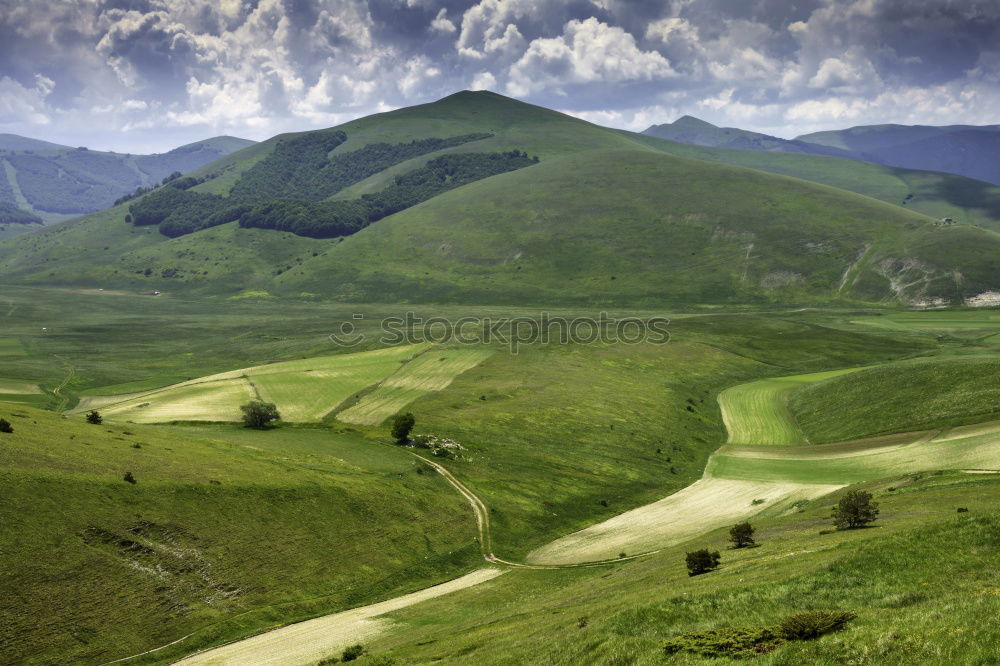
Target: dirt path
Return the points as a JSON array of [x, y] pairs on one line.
[[312, 640]]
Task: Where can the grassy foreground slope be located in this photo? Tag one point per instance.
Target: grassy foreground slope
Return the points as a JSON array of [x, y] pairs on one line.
[[606, 217], [628, 227], [225, 531], [921, 582]]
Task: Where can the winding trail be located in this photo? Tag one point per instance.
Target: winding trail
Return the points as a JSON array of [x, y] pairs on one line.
[[709, 503]]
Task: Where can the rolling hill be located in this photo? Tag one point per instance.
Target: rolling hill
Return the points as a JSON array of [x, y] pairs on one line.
[[54, 181], [688, 129], [605, 217], [966, 150]]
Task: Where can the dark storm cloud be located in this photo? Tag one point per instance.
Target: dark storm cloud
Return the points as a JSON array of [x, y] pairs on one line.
[[142, 74]]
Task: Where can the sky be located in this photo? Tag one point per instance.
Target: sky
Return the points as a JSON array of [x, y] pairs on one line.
[[149, 75]]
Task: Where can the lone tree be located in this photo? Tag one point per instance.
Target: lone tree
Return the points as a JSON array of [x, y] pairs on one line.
[[702, 561], [741, 535], [402, 425], [94, 417], [259, 414], [5, 426], [855, 509]]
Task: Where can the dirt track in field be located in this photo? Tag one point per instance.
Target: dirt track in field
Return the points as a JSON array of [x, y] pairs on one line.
[[312, 640]]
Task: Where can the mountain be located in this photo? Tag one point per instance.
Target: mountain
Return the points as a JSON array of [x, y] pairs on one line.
[[54, 182], [960, 149], [444, 202], [688, 129], [939, 195]]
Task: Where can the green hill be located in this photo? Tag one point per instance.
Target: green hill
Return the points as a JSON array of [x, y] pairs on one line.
[[421, 204], [688, 129], [968, 150], [53, 181]]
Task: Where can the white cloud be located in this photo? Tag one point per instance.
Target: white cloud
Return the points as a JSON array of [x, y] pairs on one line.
[[483, 81], [442, 24], [22, 104], [587, 51]]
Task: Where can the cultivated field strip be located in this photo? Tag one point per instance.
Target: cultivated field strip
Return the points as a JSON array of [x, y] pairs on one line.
[[757, 413], [17, 387], [308, 642], [432, 371], [304, 390], [706, 505]]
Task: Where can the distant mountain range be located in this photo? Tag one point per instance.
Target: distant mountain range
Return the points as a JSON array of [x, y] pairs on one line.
[[966, 150], [53, 182], [446, 203]]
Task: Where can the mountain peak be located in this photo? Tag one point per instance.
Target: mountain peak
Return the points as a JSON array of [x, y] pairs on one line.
[[691, 121]]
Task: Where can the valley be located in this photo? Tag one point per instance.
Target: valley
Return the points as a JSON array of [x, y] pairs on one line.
[[614, 348]]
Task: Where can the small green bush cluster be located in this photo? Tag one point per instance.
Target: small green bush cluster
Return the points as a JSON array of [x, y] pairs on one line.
[[737, 642], [5, 426], [811, 624]]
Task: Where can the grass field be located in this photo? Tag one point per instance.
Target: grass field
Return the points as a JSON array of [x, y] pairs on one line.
[[921, 581], [10, 347], [14, 387], [225, 531], [433, 371], [304, 390], [915, 395], [757, 413]]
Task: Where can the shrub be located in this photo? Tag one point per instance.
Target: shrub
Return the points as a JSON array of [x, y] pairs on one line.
[[810, 624], [328, 661], [94, 417], [5, 426], [733, 642], [961, 509], [854, 510], [129, 478], [352, 653], [702, 561], [741, 535], [258, 414], [402, 425]]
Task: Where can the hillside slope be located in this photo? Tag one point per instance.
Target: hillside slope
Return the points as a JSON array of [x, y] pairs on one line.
[[961, 149], [52, 180], [632, 227], [688, 129], [605, 217]]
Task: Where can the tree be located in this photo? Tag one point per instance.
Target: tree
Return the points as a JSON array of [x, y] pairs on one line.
[[741, 535], [702, 561], [854, 510], [402, 425], [94, 417], [258, 414], [5, 426]]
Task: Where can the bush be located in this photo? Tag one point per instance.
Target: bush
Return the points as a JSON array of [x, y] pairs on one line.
[[352, 653], [810, 624], [129, 478], [854, 510], [258, 414], [741, 535], [94, 417], [402, 425], [734, 642], [5, 426], [702, 561]]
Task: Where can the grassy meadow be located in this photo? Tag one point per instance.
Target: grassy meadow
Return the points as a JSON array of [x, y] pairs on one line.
[[229, 531]]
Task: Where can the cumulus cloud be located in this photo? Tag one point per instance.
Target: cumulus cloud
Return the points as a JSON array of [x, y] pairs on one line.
[[144, 72], [587, 52]]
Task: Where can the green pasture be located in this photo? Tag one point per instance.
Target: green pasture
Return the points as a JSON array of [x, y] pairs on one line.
[[433, 371], [225, 531], [757, 413]]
